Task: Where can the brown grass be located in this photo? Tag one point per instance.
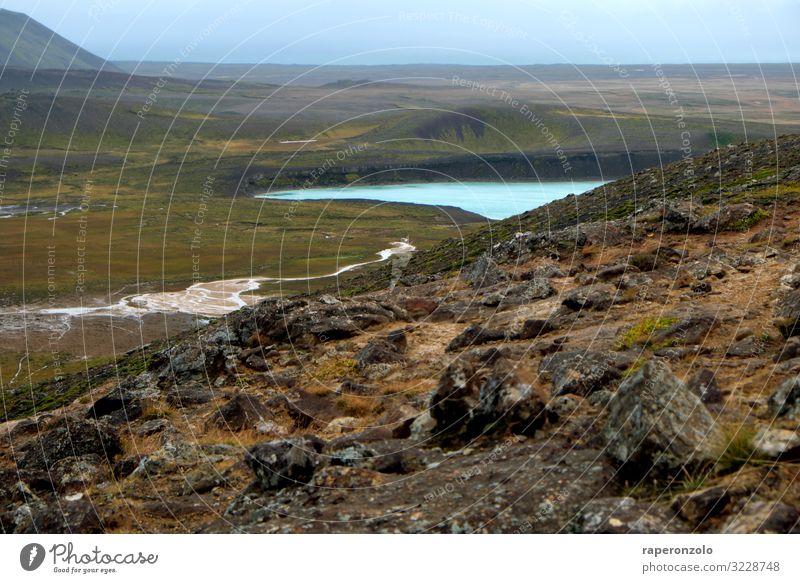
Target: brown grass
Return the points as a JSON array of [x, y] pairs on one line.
[[355, 406], [136, 445], [319, 390], [157, 410], [244, 438]]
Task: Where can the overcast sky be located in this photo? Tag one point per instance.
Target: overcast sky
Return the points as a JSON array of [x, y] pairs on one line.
[[429, 31]]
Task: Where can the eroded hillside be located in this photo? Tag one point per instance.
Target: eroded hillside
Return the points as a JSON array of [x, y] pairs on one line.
[[621, 361]]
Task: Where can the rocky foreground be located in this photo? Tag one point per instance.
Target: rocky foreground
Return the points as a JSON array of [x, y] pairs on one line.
[[635, 374]]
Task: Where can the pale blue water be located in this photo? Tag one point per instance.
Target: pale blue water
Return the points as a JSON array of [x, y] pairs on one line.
[[493, 200]]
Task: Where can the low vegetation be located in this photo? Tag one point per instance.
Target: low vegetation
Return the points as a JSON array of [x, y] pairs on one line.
[[642, 333]]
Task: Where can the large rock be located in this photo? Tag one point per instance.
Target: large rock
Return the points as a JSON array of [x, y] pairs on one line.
[[66, 517], [475, 335], [285, 462], [704, 384], [324, 322], [730, 217], [241, 412], [611, 272], [547, 271], [591, 297], [763, 517], [417, 307], [678, 216], [303, 408], [468, 402], [627, 515], [534, 328], [457, 397], [692, 329], [788, 321], [124, 402], [484, 273], [507, 402], [746, 347], [785, 401], [385, 350], [78, 472], [190, 360], [776, 443], [697, 507], [655, 424], [523, 293], [790, 350], [189, 394], [580, 373], [69, 438]]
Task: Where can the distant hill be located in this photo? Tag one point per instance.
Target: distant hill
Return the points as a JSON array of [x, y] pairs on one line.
[[28, 44]]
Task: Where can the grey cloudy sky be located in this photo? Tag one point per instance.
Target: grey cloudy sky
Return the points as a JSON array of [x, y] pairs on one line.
[[432, 31]]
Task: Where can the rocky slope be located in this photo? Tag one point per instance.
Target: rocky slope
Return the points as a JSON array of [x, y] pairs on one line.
[[622, 361]]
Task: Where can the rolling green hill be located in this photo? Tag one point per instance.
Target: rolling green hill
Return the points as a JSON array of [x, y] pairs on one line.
[[28, 44]]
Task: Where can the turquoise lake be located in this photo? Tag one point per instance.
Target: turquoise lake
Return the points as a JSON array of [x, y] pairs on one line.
[[494, 200]]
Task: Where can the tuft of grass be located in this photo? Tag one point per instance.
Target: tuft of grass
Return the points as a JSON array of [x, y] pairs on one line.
[[138, 445], [319, 389], [355, 406], [645, 489], [215, 435], [642, 332], [737, 449], [156, 411]]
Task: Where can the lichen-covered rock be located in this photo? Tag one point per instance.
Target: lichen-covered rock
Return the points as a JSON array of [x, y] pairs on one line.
[[507, 402], [678, 216], [580, 373], [690, 330], [320, 322], [627, 515], [457, 397], [746, 347], [729, 217], [78, 472], [790, 350], [785, 401], [763, 517], [547, 271], [190, 360], [776, 443], [788, 321], [562, 407], [384, 350], [523, 293], [534, 328], [285, 462], [484, 273], [124, 402], [475, 335], [655, 424], [189, 394], [704, 384], [70, 438], [591, 297], [66, 517], [611, 272], [468, 402], [697, 507], [241, 412]]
